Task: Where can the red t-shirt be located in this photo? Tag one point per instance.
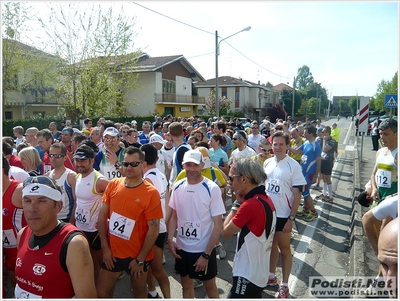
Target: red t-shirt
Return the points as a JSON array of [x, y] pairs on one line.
[[15, 161]]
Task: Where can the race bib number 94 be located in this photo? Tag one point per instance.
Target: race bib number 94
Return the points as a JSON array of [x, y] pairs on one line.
[[121, 226], [189, 230]]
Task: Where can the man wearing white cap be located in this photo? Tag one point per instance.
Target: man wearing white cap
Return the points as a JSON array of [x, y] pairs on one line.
[[197, 210], [108, 160], [158, 143], [52, 254]]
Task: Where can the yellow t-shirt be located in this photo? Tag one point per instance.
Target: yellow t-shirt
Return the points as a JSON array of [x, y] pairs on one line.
[[335, 134], [293, 143], [219, 179]]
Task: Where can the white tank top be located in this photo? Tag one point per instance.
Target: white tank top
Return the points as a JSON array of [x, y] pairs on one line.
[[66, 195], [160, 182], [88, 202]]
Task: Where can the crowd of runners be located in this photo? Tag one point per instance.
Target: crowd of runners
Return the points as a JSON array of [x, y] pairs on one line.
[[108, 198]]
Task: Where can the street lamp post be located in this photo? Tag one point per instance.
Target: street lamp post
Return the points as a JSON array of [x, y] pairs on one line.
[[216, 66], [294, 91]]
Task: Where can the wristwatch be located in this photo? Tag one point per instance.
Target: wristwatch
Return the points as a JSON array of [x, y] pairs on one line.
[[205, 255], [118, 165], [291, 217], [140, 263]]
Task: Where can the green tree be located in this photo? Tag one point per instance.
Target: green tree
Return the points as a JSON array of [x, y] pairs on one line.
[[343, 106], [27, 72], [354, 103], [268, 85], [304, 78], [98, 47], [385, 87], [286, 97]]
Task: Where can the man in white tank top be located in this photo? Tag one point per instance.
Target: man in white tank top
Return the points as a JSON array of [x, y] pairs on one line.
[[153, 175], [89, 188], [65, 178]]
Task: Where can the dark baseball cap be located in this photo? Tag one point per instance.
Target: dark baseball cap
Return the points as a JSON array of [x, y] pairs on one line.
[[83, 154]]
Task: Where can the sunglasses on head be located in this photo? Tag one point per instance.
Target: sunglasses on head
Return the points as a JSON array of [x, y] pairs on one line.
[[56, 156], [133, 164], [279, 129], [41, 180]]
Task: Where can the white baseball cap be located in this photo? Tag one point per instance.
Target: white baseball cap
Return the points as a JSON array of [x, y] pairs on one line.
[[193, 156], [157, 138], [110, 131]]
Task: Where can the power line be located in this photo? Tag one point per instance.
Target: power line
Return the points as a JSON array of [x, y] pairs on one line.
[[173, 19]]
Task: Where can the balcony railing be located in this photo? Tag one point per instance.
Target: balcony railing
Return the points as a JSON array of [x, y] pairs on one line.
[[178, 98]]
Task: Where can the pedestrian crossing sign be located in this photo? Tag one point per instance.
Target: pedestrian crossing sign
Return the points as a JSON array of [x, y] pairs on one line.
[[391, 101]]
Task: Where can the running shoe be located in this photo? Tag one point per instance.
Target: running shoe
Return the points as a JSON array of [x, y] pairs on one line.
[[327, 199], [149, 296], [221, 251], [311, 216], [283, 292], [303, 212], [272, 281], [197, 283], [321, 196], [316, 187]]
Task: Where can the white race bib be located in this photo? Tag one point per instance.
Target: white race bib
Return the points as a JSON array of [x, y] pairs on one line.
[[121, 226], [274, 187], [47, 168], [81, 217], [383, 178], [23, 294], [189, 230], [9, 239]]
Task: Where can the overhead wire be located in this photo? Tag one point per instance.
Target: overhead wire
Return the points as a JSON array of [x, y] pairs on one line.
[[186, 24]]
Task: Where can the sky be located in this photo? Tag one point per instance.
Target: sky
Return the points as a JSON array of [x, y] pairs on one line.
[[348, 46]]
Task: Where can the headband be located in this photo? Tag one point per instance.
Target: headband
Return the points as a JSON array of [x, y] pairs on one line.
[[240, 136], [36, 189]]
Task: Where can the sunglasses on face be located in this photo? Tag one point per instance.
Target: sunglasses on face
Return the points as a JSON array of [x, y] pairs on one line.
[[58, 156], [232, 177], [133, 164], [235, 139], [279, 129], [41, 180], [253, 128], [265, 149], [110, 139]]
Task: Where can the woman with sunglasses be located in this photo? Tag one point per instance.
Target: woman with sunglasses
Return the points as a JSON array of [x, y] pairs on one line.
[[265, 151]]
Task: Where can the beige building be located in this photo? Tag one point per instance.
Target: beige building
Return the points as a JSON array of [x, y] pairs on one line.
[[248, 97]]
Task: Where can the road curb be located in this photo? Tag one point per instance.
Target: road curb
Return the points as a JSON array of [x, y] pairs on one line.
[[357, 262]]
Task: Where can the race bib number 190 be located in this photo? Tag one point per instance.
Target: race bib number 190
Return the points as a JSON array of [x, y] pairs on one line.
[[121, 226]]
